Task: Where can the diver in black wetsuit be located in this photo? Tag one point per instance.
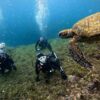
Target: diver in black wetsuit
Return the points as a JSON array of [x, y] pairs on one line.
[[42, 44], [48, 64], [6, 62]]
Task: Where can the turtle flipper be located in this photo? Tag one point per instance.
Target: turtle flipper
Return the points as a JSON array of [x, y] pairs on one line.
[[78, 56]]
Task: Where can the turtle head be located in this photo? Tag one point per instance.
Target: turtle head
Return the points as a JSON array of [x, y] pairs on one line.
[[67, 33]]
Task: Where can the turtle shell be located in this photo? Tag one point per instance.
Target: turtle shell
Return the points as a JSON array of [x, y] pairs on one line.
[[89, 26]]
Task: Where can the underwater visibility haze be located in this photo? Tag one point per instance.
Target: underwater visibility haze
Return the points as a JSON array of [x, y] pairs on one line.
[[70, 70], [22, 22]]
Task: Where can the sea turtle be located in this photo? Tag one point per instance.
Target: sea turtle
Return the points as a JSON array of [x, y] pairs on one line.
[[87, 29]]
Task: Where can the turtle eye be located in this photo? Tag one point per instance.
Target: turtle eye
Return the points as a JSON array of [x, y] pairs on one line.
[[62, 34]]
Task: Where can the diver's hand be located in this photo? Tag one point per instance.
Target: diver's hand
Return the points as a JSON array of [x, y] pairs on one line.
[[38, 49]]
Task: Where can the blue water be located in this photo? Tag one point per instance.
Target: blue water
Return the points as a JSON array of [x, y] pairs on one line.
[[23, 21]]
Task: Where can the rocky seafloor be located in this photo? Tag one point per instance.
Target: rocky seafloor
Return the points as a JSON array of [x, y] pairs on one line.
[[21, 84]]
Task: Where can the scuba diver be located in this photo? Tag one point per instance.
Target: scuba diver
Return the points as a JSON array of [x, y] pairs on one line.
[[48, 64], [42, 44], [6, 62]]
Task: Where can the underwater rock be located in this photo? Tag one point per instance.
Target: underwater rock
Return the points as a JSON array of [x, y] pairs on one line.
[[95, 85], [73, 78], [96, 56], [61, 96]]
